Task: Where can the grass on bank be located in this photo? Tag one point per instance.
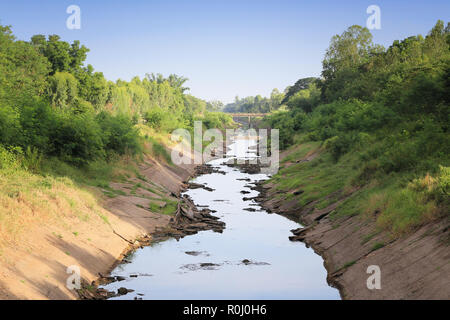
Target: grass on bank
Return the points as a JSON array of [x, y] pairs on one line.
[[169, 208], [28, 199], [399, 201], [34, 189]]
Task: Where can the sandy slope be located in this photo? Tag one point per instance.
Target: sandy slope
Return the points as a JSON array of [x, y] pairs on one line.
[[35, 268]]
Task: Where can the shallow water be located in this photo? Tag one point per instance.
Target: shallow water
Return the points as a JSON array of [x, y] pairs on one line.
[[281, 269]]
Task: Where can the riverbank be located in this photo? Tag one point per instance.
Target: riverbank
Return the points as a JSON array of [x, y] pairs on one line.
[[228, 265], [85, 228], [414, 265]]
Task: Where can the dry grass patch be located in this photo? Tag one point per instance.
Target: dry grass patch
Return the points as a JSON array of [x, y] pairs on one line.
[[28, 199]]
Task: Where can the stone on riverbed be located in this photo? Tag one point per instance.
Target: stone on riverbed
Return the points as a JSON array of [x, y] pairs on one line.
[[123, 291], [255, 263], [201, 266]]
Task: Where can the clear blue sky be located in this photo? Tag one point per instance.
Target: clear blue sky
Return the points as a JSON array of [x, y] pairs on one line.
[[226, 48]]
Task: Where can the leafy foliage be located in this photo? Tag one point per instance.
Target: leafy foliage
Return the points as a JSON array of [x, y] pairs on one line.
[[256, 104], [53, 105], [381, 118]]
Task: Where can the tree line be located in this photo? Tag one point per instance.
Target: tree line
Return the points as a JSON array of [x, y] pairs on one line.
[[256, 104], [53, 104], [386, 107]]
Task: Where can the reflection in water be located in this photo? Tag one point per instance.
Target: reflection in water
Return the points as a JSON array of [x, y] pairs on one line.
[[251, 259]]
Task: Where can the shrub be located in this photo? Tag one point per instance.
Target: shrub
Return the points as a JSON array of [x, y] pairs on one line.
[[154, 118], [288, 124], [216, 120], [62, 89], [81, 106], [338, 146], [10, 127], [32, 159], [8, 158], [38, 120], [118, 133], [435, 188], [77, 139]]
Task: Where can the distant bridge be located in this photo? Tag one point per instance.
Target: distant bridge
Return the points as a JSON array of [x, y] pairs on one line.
[[248, 115]]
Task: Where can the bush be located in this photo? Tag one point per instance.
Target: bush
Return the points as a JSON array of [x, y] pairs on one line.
[[437, 188], [63, 90], [154, 118], [32, 159], [288, 123], [118, 133], [8, 158], [81, 106], [77, 139], [10, 128], [215, 120], [338, 146], [37, 120]]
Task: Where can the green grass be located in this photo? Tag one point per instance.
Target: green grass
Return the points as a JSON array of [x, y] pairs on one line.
[[169, 209], [302, 150], [160, 151], [109, 194], [158, 192], [399, 202], [134, 189], [377, 246], [349, 264], [400, 208], [105, 219], [318, 179], [140, 176], [154, 207], [368, 237], [96, 174], [59, 236], [137, 186], [112, 193]]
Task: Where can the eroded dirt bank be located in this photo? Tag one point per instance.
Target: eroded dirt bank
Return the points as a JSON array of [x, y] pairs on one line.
[[416, 266], [36, 266]]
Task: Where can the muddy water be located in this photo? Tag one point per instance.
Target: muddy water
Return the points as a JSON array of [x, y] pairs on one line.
[[252, 259]]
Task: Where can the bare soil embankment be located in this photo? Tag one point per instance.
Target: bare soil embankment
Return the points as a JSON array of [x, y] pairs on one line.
[[101, 235], [415, 266]]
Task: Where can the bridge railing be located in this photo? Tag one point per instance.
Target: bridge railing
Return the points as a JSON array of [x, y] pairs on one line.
[[248, 114]]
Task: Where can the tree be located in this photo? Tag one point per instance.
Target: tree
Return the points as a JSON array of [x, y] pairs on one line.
[[174, 80], [23, 69], [57, 52], [347, 54], [78, 55], [348, 50], [40, 42], [301, 84], [63, 90], [93, 86], [62, 56], [214, 106], [305, 100]]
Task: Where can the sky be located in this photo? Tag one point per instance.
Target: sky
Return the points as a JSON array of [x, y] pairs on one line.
[[226, 48]]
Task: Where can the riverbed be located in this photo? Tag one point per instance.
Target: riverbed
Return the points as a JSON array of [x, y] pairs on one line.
[[251, 259]]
